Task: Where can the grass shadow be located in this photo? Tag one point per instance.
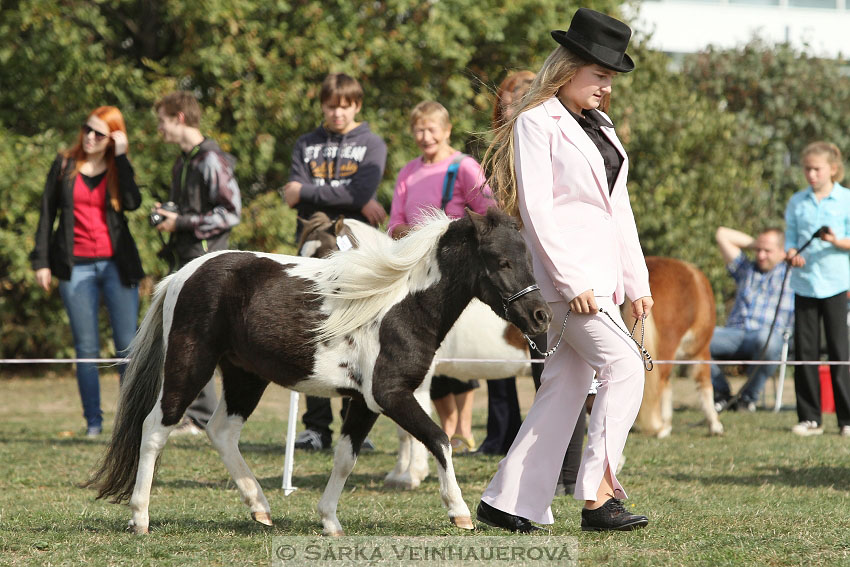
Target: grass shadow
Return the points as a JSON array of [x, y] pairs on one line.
[[809, 477]]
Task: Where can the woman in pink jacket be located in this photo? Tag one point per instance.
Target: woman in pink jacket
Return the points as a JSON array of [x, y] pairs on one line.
[[558, 165]]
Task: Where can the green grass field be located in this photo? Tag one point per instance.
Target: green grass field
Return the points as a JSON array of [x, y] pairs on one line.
[[757, 496]]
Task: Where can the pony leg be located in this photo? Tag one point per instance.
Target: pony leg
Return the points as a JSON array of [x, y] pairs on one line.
[[395, 478], [702, 376], [412, 464], [154, 436], [179, 388], [241, 394], [418, 452], [666, 406], [358, 421], [224, 431], [404, 409]]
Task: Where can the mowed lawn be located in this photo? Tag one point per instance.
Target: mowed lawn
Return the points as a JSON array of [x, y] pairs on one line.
[[757, 496]]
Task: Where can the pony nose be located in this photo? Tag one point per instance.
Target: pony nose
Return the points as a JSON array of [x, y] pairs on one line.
[[542, 316]]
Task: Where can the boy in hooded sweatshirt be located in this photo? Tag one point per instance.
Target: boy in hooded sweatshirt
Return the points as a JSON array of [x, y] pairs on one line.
[[336, 169]]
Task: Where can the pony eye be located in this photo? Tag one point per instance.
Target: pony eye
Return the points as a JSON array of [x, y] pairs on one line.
[[504, 264]]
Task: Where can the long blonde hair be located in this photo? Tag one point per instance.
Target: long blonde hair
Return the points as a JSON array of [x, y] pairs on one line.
[[561, 66]]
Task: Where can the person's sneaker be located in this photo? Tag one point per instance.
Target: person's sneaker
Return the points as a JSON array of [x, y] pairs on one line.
[[187, 426], [611, 516], [367, 445], [750, 407], [723, 405], [310, 440], [807, 428], [93, 430], [845, 431]]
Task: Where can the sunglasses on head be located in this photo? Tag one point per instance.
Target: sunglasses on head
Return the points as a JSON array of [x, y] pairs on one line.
[[97, 135]]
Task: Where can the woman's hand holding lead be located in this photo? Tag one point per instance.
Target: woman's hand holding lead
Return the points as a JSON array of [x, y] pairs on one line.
[[642, 306], [584, 303]]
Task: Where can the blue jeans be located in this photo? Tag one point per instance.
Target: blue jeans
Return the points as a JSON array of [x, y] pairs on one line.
[[81, 295], [729, 343]]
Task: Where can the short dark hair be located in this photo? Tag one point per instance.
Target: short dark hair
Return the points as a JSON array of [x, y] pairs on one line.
[[338, 87], [181, 101], [780, 234]]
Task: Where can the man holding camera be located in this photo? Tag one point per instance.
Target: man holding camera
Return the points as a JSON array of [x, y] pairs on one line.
[[205, 204]]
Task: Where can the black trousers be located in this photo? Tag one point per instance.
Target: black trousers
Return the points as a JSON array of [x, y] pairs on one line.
[[572, 457], [808, 313], [319, 415], [503, 417]]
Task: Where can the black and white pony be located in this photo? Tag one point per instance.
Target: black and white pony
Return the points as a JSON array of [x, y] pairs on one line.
[[477, 334], [364, 324]]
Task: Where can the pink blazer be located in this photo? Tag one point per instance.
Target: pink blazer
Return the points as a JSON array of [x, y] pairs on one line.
[[580, 237]]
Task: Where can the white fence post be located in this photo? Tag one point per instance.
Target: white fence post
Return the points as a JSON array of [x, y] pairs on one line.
[[289, 456]]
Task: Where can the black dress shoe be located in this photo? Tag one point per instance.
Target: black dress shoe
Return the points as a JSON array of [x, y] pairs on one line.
[[611, 516], [498, 519]]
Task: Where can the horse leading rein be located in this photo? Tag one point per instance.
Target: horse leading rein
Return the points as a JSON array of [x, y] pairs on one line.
[[645, 356]]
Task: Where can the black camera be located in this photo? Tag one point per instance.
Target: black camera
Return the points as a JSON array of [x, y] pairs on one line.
[[155, 218]]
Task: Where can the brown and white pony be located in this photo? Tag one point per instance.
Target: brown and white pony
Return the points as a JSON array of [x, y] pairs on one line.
[[679, 326], [364, 324]]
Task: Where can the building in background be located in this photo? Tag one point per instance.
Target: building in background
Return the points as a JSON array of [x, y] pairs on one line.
[[818, 27]]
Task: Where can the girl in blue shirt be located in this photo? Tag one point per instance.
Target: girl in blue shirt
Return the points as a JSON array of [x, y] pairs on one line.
[[820, 282]]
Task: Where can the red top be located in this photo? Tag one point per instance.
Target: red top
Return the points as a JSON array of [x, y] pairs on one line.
[[91, 236]]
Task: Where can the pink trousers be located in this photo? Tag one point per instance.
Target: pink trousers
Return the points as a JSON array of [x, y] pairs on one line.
[[525, 482]]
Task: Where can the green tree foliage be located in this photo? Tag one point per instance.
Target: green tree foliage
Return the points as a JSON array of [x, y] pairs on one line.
[[782, 100], [703, 143], [774, 101], [688, 164], [256, 68]]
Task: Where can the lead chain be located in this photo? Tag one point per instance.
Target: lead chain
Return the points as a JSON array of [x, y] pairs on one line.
[[645, 356]]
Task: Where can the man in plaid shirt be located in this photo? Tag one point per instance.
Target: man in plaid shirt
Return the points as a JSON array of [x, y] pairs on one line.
[[748, 325]]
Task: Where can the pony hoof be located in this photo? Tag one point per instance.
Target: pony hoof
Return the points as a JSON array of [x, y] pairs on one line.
[[337, 533], [665, 433], [137, 530], [463, 522], [262, 517], [401, 484], [716, 430]]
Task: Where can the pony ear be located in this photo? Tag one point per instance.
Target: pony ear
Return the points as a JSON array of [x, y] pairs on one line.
[[339, 225], [480, 222]]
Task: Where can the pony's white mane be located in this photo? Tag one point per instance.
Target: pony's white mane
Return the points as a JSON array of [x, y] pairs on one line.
[[366, 234], [362, 283]]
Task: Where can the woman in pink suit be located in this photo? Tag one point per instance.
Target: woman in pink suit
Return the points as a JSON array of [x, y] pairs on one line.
[[558, 165]]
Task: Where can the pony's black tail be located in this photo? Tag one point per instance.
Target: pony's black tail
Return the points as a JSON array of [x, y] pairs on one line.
[[116, 474]]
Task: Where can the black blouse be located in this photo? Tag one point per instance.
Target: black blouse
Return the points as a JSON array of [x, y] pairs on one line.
[[591, 121]]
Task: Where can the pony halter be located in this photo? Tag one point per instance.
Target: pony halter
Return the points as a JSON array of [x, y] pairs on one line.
[[506, 301]]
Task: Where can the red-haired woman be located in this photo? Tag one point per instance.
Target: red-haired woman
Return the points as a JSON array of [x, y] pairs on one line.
[[92, 252]]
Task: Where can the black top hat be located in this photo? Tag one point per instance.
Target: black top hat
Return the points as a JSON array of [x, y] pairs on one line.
[[598, 38]]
